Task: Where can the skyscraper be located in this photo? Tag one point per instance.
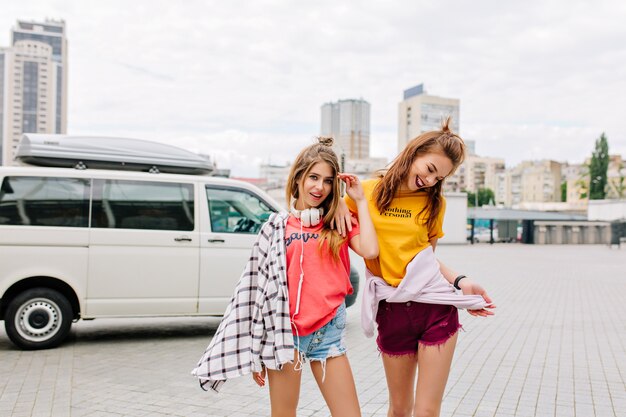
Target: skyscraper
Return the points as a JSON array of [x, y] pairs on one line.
[[3, 58], [51, 32], [420, 112], [33, 83], [348, 122]]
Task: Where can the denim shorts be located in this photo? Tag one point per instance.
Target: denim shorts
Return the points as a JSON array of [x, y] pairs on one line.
[[402, 327], [326, 342]]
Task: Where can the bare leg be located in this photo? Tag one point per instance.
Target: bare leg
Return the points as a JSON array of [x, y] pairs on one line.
[[284, 390], [400, 373], [338, 387], [434, 367]]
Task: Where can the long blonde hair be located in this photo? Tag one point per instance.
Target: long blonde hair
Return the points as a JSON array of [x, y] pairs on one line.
[[442, 141], [309, 156]]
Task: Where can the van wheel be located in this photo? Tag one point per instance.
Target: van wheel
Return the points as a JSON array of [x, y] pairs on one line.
[[38, 318]]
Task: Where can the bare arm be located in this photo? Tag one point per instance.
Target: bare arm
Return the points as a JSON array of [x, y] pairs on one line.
[[366, 243], [342, 220], [468, 287]]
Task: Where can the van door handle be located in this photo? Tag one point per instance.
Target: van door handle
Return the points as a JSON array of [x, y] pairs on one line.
[[182, 239], [218, 240]]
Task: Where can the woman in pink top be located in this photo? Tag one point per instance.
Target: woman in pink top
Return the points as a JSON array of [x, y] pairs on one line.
[[318, 269]]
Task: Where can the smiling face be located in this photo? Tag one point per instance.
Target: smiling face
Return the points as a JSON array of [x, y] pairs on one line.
[[427, 170], [315, 186]]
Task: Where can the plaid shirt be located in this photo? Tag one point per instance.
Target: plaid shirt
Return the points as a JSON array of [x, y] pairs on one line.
[[256, 329]]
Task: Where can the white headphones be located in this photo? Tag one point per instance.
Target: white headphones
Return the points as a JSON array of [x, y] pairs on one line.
[[309, 217]]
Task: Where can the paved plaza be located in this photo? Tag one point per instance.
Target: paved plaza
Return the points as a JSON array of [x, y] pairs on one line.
[[556, 347]]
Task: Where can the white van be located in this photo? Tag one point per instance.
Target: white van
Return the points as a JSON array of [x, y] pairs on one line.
[[101, 243]]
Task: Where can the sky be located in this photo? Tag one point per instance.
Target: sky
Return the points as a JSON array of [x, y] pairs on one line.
[[243, 81]]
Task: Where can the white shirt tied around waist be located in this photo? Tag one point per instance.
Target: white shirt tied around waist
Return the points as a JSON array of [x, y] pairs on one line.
[[422, 282]]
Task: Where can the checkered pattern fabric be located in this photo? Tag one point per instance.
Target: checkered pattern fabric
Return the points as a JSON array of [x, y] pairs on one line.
[[256, 329]]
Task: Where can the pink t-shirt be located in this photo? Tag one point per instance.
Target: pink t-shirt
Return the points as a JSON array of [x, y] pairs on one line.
[[326, 280]]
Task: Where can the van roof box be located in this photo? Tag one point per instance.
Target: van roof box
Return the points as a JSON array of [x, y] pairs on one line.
[[108, 153]]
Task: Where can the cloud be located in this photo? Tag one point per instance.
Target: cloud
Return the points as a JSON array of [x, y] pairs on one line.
[[535, 79], [533, 142]]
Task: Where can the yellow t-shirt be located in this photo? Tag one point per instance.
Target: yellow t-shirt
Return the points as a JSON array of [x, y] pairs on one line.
[[400, 238]]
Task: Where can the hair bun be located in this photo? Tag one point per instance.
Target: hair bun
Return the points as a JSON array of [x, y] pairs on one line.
[[326, 141], [445, 125]]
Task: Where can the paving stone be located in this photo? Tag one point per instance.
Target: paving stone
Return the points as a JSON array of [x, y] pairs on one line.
[[554, 348]]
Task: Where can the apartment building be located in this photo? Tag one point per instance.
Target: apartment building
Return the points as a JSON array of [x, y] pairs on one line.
[[478, 172], [529, 182], [33, 84], [420, 112], [616, 178]]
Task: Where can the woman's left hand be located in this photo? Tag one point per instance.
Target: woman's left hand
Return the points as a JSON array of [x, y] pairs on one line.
[[259, 377], [469, 287]]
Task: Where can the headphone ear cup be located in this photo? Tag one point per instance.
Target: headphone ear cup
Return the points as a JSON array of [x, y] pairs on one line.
[[305, 217], [314, 216], [308, 217], [296, 213]]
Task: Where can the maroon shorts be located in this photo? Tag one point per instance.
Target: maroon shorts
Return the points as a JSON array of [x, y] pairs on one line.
[[402, 327]]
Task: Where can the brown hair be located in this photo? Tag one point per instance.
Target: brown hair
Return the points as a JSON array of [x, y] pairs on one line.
[[309, 156], [442, 141]]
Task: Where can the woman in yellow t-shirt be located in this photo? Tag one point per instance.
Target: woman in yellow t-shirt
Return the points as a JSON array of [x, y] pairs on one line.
[[408, 293]]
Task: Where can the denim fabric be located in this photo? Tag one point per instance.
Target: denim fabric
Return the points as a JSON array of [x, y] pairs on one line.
[[326, 342]]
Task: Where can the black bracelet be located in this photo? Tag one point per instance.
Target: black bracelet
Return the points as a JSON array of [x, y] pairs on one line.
[[456, 281]]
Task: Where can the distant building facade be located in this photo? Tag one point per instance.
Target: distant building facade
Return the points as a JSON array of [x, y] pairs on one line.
[[365, 167], [348, 122], [577, 184], [530, 182], [475, 173], [470, 146], [33, 84], [577, 178], [274, 179], [275, 176], [419, 112], [541, 181], [616, 178]]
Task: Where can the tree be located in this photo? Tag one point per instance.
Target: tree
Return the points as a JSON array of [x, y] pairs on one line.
[[598, 169], [485, 197], [564, 191], [583, 182], [620, 186], [471, 199]]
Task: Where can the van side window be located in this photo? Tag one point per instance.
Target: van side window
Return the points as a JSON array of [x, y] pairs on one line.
[[44, 201], [152, 205], [236, 211]]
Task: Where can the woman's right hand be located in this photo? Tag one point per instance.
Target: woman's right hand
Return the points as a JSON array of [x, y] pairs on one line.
[[259, 377]]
